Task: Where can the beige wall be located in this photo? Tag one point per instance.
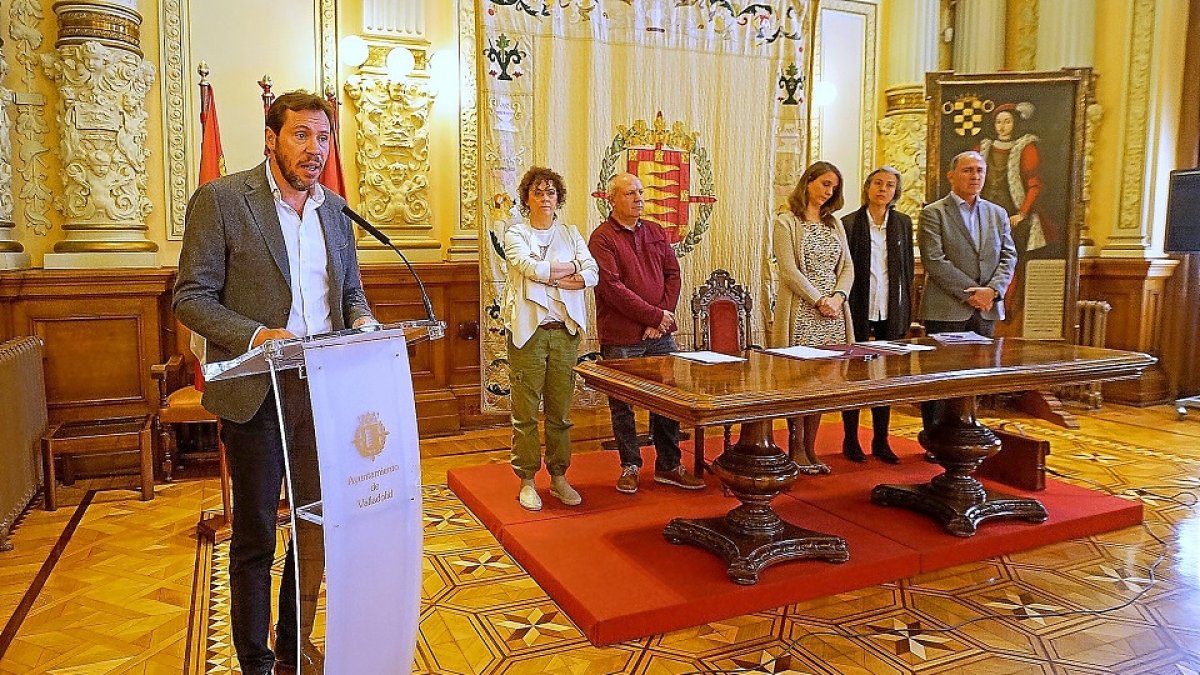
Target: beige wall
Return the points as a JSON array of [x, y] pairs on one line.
[[238, 36], [241, 42]]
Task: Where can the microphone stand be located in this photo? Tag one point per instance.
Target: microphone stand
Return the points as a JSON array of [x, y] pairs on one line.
[[435, 329]]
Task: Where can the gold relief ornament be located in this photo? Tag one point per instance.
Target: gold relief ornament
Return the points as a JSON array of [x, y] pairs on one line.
[[371, 435], [967, 113], [393, 149], [674, 169]]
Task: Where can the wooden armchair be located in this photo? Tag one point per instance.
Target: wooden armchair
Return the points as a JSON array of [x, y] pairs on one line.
[[720, 323], [181, 416]]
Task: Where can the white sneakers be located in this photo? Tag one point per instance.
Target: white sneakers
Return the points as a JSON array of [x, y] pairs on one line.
[[528, 497], [559, 487]]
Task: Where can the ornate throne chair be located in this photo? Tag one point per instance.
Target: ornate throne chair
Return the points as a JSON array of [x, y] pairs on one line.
[[720, 323]]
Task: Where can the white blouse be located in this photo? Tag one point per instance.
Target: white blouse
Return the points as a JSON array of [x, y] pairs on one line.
[[529, 300]]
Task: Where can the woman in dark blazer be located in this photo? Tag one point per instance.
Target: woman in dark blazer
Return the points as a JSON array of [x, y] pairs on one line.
[[881, 248]]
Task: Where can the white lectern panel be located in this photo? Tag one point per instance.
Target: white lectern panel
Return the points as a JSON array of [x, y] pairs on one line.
[[366, 428]]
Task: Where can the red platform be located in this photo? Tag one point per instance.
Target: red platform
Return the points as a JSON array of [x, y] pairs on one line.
[[608, 566]]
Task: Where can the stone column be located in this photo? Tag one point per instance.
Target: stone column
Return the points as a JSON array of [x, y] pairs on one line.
[[979, 36], [1066, 34], [102, 83], [1130, 236], [12, 254], [464, 242], [1066, 38], [903, 127]]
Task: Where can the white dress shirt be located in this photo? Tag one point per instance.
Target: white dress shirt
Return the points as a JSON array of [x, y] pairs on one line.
[[877, 303], [307, 261]]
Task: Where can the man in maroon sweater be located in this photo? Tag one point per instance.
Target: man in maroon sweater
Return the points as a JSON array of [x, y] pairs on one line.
[[635, 316]]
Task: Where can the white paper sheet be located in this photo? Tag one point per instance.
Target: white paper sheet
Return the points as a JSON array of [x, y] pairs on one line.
[[900, 347], [965, 337], [705, 356], [802, 352]]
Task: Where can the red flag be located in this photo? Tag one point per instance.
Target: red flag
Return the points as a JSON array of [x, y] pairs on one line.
[[331, 175], [212, 158], [212, 167]]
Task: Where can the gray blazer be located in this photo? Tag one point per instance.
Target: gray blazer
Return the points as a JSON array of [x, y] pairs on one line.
[[234, 277], [953, 262]]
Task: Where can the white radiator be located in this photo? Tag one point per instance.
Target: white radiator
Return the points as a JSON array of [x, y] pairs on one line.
[[22, 423]]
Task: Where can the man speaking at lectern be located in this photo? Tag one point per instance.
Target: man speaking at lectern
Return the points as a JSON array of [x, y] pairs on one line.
[[267, 255]]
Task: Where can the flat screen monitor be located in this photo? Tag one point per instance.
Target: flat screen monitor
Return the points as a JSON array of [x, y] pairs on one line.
[[1183, 212]]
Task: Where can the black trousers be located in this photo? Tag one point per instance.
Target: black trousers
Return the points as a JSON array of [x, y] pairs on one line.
[[931, 411], [880, 415], [255, 453]]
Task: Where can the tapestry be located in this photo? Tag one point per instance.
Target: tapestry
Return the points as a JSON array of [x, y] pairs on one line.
[[701, 99]]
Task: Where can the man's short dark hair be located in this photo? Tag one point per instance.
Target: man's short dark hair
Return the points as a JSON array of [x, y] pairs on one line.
[[298, 101]]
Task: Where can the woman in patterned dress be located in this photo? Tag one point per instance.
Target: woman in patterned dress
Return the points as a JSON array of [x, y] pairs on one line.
[[815, 275]]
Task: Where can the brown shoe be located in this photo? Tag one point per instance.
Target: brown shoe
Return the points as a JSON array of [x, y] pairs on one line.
[[628, 482], [679, 477]]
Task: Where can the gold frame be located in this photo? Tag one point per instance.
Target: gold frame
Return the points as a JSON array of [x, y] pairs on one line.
[[941, 87]]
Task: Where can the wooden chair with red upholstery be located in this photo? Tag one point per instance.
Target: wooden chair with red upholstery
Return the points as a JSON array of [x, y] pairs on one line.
[[720, 323], [180, 386]]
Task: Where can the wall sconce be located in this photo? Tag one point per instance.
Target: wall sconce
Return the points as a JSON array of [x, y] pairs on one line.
[[352, 50], [399, 63]]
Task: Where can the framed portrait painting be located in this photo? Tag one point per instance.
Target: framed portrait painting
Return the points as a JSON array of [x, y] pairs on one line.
[[1029, 127]]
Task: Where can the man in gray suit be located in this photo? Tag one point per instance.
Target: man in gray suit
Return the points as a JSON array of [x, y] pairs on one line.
[[267, 255], [968, 253]]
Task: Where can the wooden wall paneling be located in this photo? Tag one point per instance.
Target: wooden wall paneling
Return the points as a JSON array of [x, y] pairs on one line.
[[1137, 290], [464, 343], [1181, 352], [445, 373], [103, 330]]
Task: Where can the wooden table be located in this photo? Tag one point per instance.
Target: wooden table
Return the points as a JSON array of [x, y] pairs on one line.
[[125, 434], [764, 387]]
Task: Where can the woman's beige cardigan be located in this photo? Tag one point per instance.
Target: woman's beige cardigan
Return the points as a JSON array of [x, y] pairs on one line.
[[787, 236]]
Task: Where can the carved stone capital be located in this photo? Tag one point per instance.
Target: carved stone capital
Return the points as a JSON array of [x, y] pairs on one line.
[[101, 115], [903, 136], [102, 118]]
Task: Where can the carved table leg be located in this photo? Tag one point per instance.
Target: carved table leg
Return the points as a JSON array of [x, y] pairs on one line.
[[956, 499], [752, 536]]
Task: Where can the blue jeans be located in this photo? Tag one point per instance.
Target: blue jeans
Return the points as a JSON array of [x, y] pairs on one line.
[[663, 430]]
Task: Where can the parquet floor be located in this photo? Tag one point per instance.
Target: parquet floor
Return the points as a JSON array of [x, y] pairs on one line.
[[110, 584]]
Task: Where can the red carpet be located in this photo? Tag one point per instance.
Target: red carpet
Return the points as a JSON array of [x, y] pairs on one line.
[[608, 566]]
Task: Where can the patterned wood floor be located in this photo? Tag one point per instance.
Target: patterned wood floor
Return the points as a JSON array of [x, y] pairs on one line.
[[109, 584]]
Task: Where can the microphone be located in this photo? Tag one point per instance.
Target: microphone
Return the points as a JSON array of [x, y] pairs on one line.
[[383, 239]]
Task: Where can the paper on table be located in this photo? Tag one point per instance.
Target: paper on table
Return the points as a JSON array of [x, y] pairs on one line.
[[898, 346], [802, 352], [966, 337], [705, 356]]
